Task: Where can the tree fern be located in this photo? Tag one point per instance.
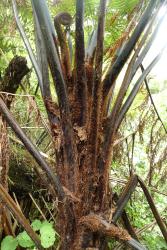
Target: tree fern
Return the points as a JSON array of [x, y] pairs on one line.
[[123, 6]]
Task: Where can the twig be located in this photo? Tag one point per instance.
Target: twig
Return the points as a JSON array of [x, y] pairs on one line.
[[152, 101], [8, 93], [17, 203], [38, 208], [46, 205], [124, 182], [140, 231], [10, 204], [50, 214]]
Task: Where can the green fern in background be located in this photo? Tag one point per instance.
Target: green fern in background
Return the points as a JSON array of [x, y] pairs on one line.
[[123, 6]]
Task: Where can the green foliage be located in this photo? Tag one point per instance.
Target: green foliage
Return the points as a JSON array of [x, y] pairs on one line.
[[36, 225], [9, 243], [24, 240], [124, 6], [149, 145], [47, 236], [155, 242]]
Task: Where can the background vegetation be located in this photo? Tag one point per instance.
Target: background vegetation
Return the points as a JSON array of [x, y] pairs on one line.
[[141, 143]]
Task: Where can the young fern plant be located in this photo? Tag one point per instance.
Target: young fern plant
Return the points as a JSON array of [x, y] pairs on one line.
[[45, 231]]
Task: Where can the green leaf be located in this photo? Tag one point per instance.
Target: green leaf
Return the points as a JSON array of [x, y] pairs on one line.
[[9, 243], [47, 233], [25, 240], [36, 225]]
